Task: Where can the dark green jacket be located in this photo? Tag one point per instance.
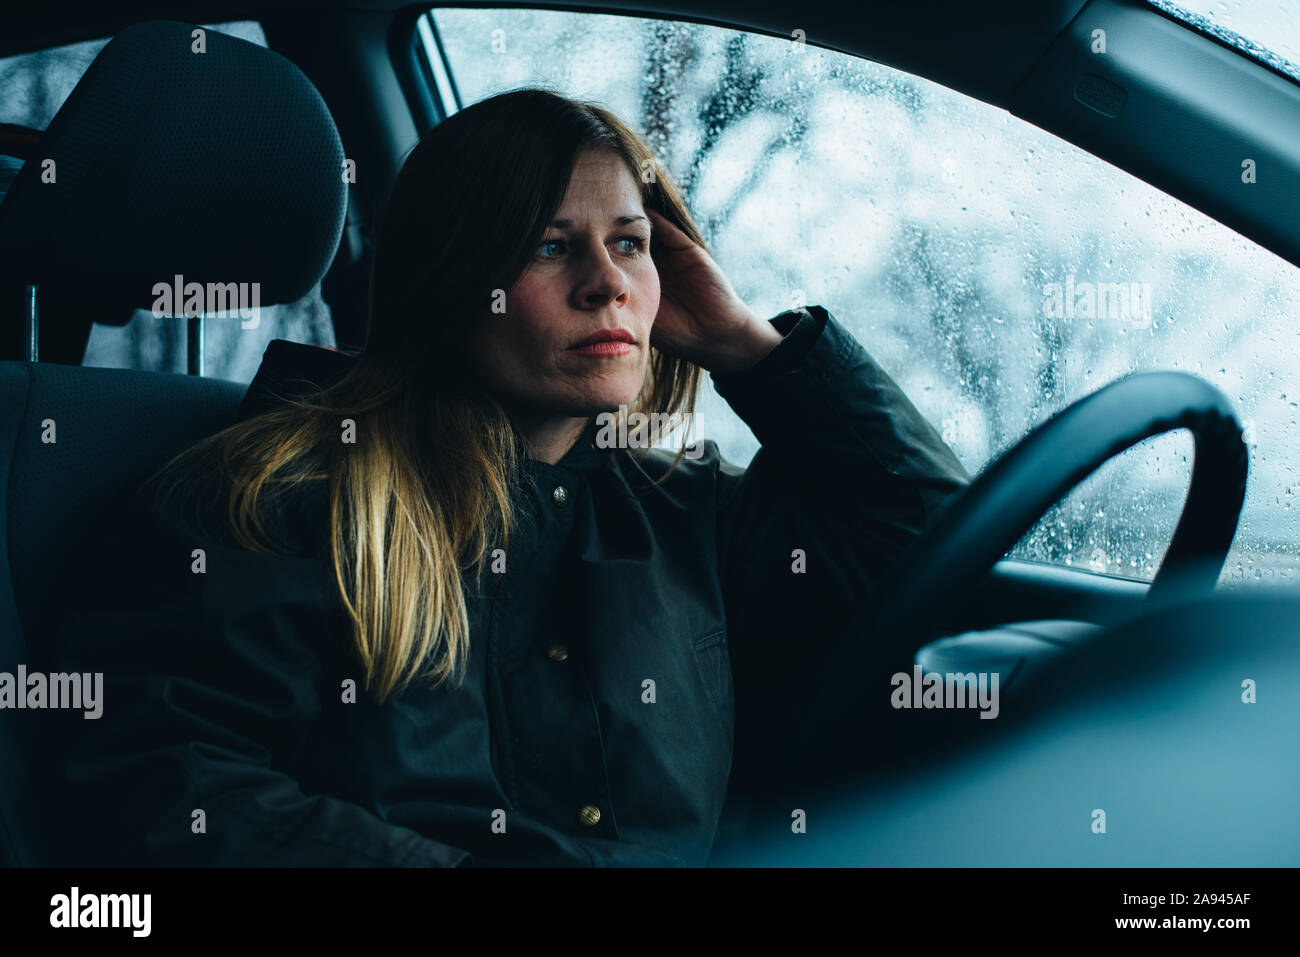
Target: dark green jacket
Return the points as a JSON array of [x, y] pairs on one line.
[[635, 636]]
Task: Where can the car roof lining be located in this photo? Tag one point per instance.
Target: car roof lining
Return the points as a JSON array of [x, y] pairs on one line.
[[980, 49]]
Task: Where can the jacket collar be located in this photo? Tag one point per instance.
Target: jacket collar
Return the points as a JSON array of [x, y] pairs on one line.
[[584, 456]]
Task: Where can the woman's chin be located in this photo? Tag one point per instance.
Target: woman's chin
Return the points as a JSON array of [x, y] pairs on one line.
[[605, 399]]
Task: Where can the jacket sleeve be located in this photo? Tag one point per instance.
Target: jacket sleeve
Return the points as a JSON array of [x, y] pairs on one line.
[[849, 472], [210, 683]]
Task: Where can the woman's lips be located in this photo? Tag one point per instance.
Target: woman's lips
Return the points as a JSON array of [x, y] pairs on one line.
[[606, 347]]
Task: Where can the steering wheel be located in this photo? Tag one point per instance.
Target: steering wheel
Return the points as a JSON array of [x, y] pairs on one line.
[[976, 528], [1008, 498]]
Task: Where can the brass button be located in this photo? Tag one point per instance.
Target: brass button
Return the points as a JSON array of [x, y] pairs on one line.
[[589, 816], [557, 652], [560, 496]]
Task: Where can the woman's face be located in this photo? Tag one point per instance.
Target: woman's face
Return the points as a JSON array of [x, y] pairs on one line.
[[590, 279]]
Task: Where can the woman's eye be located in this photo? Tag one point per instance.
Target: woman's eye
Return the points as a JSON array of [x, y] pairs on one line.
[[628, 245]]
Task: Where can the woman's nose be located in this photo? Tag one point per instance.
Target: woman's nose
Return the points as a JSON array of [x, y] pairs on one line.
[[604, 280]]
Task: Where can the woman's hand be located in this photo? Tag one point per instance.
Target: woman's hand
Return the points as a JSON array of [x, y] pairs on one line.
[[700, 318]]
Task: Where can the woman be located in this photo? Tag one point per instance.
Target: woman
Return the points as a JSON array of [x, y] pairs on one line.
[[423, 616]]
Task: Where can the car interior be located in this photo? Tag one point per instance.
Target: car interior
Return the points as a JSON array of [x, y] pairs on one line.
[[169, 168]]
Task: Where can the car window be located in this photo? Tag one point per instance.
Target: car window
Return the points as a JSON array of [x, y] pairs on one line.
[[997, 272], [1269, 32], [32, 88]]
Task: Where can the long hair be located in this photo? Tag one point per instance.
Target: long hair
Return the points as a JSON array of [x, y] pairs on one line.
[[423, 467]]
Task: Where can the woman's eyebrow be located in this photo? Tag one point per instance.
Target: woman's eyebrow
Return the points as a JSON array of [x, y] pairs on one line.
[[619, 221]]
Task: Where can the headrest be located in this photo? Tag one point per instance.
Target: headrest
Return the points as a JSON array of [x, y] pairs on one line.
[[216, 162], [291, 369]]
